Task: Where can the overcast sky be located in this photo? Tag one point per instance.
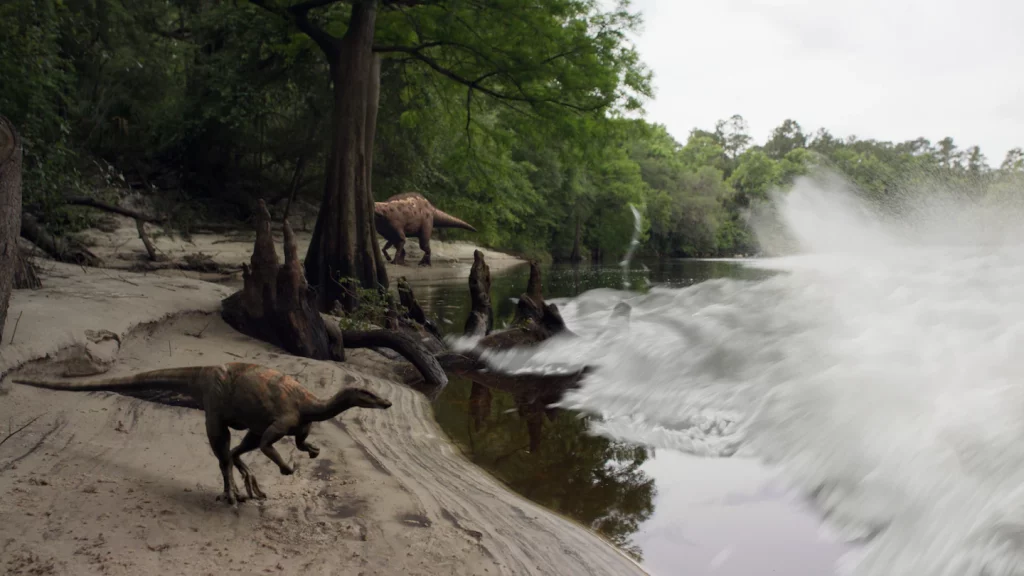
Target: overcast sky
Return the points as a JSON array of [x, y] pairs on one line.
[[883, 69]]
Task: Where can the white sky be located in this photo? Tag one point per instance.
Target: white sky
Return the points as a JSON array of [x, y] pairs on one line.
[[883, 69]]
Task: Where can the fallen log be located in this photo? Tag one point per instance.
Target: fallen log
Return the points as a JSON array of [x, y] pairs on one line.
[[59, 248]]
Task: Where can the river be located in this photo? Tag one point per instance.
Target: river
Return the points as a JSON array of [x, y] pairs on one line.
[[677, 513], [871, 381]]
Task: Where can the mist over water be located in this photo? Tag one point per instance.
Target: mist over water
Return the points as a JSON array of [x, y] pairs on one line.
[[882, 367]]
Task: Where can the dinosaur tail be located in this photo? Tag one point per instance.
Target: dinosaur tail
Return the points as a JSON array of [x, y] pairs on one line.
[[445, 220], [169, 379]]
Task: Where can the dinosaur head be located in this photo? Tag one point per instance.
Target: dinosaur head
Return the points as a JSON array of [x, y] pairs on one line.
[[361, 398]]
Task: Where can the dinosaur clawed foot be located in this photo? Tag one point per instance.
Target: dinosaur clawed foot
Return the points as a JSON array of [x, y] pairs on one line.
[[232, 497], [253, 487], [287, 470]]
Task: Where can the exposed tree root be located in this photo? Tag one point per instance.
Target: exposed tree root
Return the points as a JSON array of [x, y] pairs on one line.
[[26, 276]]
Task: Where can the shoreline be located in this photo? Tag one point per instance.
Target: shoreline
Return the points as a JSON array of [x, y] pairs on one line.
[[121, 249], [103, 483]]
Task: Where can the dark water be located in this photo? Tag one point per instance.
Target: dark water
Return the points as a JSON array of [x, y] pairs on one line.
[[449, 302], [546, 454]]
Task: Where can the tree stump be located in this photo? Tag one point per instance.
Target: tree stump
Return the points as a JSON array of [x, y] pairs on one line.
[[276, 305], [481, 316]]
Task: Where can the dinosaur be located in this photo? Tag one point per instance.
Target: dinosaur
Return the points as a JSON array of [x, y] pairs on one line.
[[410, 214], [239, 396]]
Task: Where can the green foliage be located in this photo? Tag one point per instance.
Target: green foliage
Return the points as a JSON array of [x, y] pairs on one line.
[[510, 115], [37, 79], [372, 310]]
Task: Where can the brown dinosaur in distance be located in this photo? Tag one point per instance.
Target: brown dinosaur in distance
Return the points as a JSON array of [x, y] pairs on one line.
[[410, 214], [239, 396]]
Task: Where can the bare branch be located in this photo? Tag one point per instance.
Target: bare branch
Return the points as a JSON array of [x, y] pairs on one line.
[[523, 96], [300, 15], [93, 203]]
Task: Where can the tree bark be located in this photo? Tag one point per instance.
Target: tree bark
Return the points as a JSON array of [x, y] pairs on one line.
[[10, 211], [481, 315], [344, 244], [275, 304]]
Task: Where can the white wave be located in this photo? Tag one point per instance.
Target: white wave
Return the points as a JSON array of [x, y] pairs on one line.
[[883, 368]]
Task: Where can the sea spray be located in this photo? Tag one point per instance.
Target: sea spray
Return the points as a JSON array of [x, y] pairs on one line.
[[882, 368]]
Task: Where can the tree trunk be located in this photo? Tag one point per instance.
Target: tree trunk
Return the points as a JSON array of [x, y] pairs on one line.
[[577, 241], [344, 243], [10, 211]]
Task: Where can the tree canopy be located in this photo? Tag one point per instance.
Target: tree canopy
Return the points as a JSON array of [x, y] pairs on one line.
[[519, 117]]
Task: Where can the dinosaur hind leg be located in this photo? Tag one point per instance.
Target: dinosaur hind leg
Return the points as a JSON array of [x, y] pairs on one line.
[[250, 442], [400, 251], [425, 242], [220, 440], [384, 250]]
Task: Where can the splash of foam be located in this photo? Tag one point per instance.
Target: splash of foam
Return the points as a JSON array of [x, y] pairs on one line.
[[882, 368]]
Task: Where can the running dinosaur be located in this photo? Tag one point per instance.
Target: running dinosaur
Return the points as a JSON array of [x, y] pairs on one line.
[[268, 404], [410, 214]]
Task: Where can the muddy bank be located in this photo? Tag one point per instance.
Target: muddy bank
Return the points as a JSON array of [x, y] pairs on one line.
[[104, 484]]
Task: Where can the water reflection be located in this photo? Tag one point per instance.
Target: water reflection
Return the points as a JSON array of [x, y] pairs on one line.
[[680, 514], [547, 456]]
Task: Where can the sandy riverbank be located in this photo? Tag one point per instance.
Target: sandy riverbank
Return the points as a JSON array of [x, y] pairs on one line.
[[105, 484], [123, 250]]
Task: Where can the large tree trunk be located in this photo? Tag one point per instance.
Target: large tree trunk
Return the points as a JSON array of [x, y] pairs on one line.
[[10, 211], [344, 243]]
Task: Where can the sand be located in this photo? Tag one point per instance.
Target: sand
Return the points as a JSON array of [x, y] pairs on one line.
[[122, 249], [99, 483]]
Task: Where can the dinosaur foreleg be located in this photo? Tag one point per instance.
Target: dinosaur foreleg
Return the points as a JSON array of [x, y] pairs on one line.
[[425, 242], [250, 442], [220, 440], [384, 250], [302, 444], [275, 432]]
